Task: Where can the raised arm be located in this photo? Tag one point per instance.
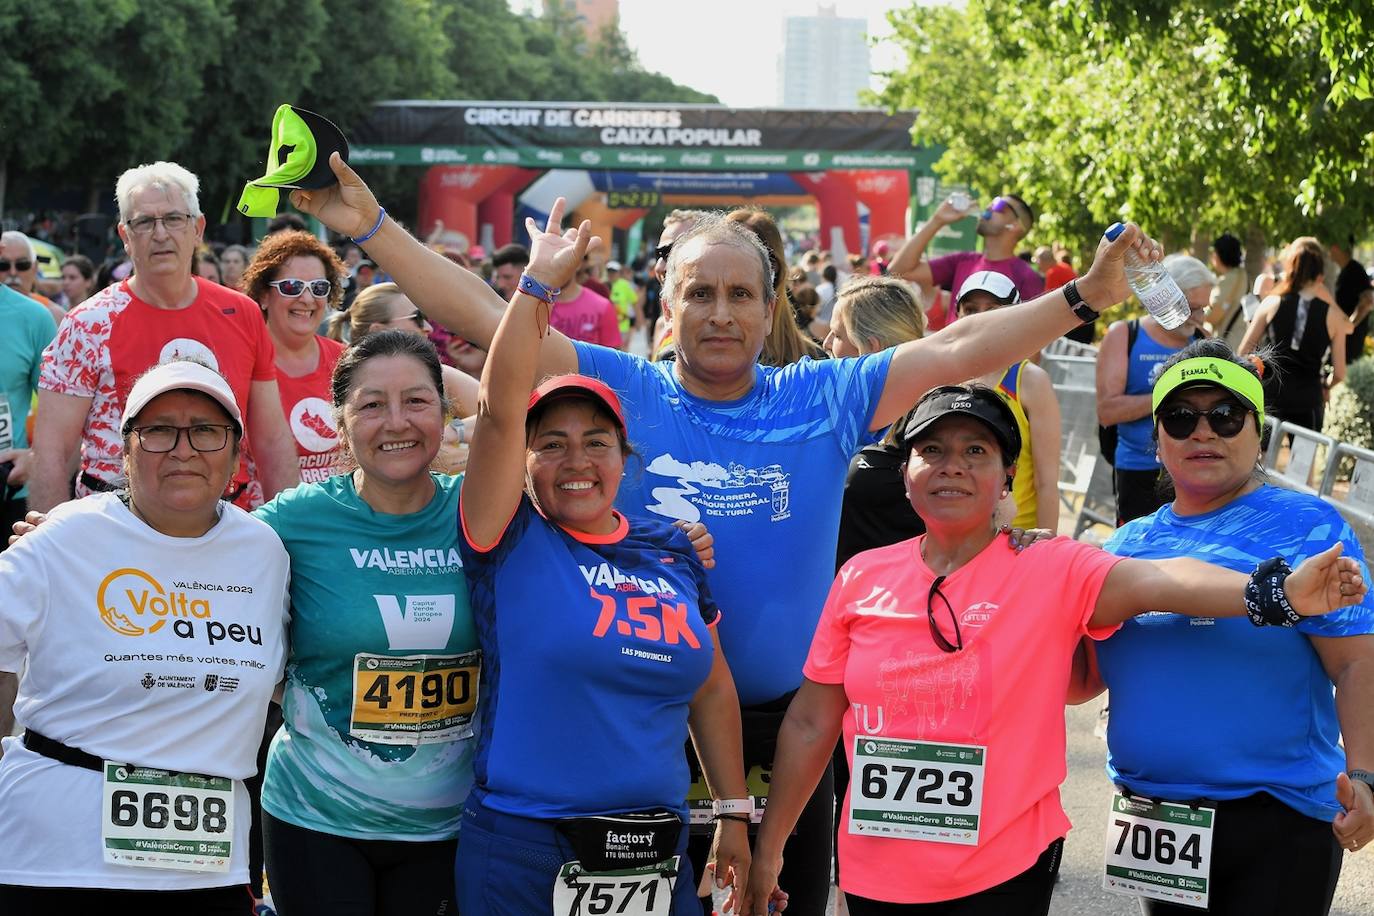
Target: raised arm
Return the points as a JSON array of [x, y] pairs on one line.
[[458, 299], [910, 262], [496, 461], [1321, 583], [1255, 333], [995, 339], [1042, 410]]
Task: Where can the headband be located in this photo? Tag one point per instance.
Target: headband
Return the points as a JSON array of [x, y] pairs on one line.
[[1208, 370]]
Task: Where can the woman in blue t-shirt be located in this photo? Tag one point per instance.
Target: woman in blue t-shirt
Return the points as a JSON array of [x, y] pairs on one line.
[[599, 649], [1218, 713]]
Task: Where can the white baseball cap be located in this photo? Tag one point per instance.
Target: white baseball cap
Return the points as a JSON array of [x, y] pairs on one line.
[[180, 375], [995, 284], [613, 265]]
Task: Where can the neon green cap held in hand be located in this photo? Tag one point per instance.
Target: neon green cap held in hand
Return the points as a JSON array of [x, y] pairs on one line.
[[298, 157]]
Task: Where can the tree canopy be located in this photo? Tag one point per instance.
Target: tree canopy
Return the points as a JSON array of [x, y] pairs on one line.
[[96, 86], [1191, 117]]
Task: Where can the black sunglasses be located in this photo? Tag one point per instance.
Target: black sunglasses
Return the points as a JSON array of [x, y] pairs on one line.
[[20, 265], [416, 316], [662, 251], [1226, 420], [935, 633]]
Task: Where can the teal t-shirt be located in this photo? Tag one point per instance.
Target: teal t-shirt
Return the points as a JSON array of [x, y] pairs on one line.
[[29, 328], [381, 685]]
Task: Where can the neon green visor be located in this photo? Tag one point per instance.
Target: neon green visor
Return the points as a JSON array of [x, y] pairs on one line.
[[1207, 370], [297, 158]]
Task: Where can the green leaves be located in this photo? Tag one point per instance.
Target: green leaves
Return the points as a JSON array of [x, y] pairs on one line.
[[93, 87], [1190, 116]]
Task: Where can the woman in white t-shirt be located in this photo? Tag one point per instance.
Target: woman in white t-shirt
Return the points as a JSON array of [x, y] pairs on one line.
[[152, 621]]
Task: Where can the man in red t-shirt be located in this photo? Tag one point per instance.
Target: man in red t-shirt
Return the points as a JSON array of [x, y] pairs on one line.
[[161, 312]]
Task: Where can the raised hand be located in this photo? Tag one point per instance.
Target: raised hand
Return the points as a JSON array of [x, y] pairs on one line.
[[703, 542], [556, 253], [1105, 282], [347, 207], [1324, 582]]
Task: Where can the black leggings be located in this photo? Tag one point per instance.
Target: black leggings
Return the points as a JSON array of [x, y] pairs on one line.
[[254, 786], [1267, 860], [805, 857], [1028, 894], [312, 872], [47, 901]]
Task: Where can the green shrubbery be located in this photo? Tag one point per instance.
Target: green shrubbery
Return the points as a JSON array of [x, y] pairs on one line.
[[1350, 415]]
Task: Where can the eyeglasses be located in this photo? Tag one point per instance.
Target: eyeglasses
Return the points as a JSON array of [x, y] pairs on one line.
[[1226, 420], [204, 437], [662, 251], [292, 288], [416, 316], [935, 633], [172, 222], [20, 265]]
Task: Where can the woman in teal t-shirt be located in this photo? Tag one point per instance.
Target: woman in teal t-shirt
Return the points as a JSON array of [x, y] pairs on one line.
[[366, 781]]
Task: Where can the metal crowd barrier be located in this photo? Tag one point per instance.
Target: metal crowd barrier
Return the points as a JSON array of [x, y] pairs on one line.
[[1313, 462]]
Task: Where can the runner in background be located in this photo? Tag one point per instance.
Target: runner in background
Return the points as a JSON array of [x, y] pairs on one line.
[[973, 696], [295, 278], [160, 313], [383, 307], [151, 661], [1029, 393]]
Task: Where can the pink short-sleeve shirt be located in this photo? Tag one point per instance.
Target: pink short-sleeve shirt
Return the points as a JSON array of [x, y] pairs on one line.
[[1020, 617]]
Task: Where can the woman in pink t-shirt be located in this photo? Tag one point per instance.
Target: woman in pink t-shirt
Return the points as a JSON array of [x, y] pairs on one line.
[[946, 659]]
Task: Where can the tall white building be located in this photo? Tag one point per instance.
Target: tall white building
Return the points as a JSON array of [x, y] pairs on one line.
[[824, 61]]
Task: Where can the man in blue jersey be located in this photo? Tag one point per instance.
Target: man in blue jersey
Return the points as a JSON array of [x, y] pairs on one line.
[[757, 453]]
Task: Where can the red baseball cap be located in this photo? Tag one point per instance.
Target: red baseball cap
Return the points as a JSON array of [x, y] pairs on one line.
[[564, 386]]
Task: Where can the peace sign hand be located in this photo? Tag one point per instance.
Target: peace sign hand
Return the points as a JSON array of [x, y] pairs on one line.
[[556, 253]]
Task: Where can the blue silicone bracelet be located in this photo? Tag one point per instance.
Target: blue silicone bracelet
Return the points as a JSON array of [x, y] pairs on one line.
[[373, 231]]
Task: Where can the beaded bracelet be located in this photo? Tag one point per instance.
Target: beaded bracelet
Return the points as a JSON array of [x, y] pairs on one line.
[[1266, 603], [373, 231]]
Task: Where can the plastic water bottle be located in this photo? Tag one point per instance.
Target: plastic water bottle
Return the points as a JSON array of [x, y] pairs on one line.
[[1153, 286], [961, 202]]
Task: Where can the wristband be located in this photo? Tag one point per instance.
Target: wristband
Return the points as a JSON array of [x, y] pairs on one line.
[[381, 215], [1363, 776], [1080, 308], [532, 287], [1266, 604], [744, 806], [738, 818]]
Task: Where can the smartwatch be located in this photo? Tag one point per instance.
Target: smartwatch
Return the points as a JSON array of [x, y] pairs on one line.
[[1364, 776], [1080, 308]]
